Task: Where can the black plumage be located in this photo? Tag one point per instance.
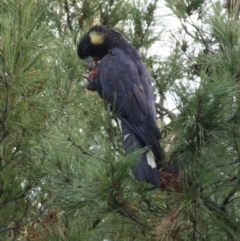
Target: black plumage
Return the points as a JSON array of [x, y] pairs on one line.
[[122, 80]]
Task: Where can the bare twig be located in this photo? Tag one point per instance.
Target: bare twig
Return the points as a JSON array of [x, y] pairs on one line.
[[67, 10], [169, 113], [80, 148], [86, 77]]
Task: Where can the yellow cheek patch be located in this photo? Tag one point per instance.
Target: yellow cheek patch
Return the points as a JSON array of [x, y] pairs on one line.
[[96, 38]]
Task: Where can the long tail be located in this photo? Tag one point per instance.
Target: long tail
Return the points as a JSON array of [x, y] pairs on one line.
[[146, 168]]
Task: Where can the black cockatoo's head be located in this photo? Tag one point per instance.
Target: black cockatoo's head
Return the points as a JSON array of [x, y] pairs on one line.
[[96, 43]]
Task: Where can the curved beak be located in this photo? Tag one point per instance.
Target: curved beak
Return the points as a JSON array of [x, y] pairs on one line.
[[88, 62]]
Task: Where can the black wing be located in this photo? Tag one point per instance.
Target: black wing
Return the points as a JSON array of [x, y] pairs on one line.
[[126, 86]]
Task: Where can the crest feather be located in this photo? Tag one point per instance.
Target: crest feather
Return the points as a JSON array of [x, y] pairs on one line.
[[96, 37]]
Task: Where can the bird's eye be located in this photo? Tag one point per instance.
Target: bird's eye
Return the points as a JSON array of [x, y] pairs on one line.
[[85, 49]]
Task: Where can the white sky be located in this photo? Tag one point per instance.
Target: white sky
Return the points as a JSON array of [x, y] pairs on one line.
[[167, 25]]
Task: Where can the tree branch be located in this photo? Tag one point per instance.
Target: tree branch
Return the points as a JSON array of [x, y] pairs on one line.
[[84, 152]]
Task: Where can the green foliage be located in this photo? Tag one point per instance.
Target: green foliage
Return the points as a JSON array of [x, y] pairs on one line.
[[63, 171], [24, 46], [206, 136], [184, 8]]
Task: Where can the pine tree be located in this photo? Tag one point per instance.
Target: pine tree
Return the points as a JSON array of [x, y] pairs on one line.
[[63, 172], [23, 54], [205, 132]]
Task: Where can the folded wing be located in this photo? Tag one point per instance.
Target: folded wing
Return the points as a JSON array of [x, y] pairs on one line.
[[126, 87]]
